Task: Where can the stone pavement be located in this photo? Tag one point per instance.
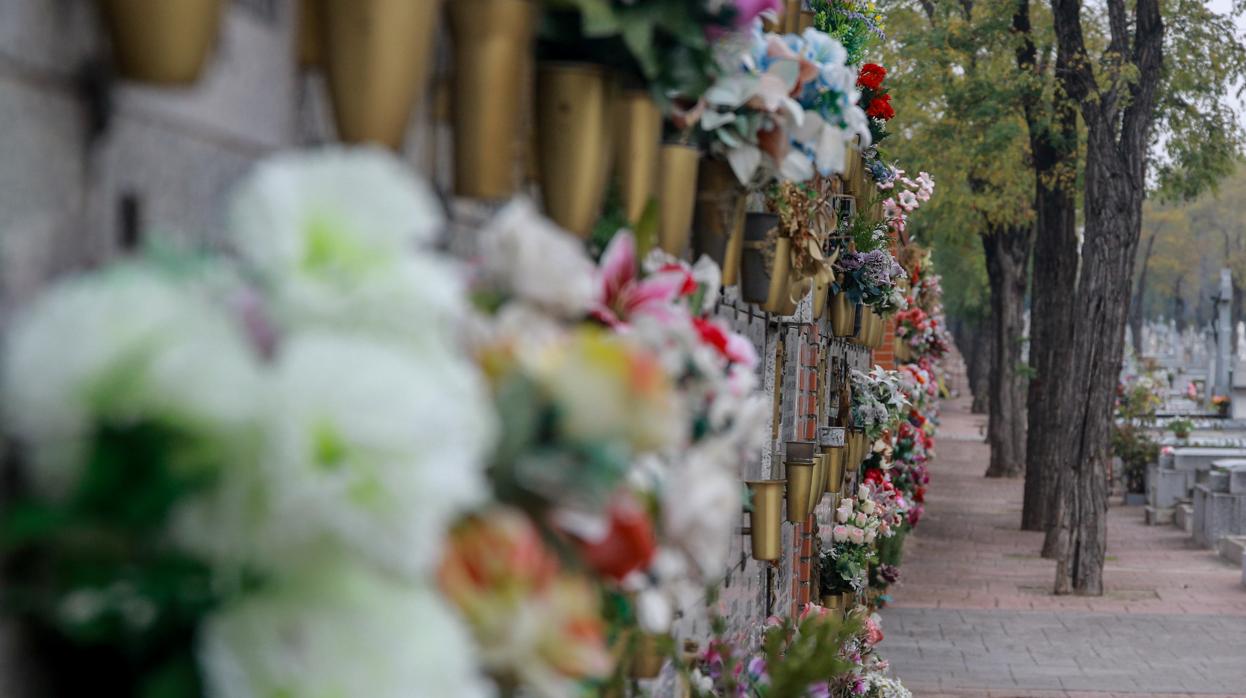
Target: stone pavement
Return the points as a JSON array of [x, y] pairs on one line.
[[973, 614]]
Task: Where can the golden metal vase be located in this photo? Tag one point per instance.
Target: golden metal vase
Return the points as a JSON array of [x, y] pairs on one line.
[[718, 222], [861, 335], [904, 352], [647, 658], [165, 42], [492, 62], [637, 148], [779, 297], [835, 469], [307, 42], [879, 329], [843, 314], [820, 294], [377, 55], [677, 195], [799, 484], [766, 519], [818, 487], [574, 141]]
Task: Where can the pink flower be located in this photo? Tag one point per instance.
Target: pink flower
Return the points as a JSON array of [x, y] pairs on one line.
[[839, 534], [748, 10], [624, 295], [733, 347], [873, 631], [857, 535]]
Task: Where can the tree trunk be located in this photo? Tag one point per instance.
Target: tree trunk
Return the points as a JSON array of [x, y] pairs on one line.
[[1178, 305], [1055, 275], [1118, 130], [1135, 306], [972, 336], [1007, 260]]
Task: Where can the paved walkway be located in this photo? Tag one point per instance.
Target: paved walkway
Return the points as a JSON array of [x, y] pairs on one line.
[[973, 614]]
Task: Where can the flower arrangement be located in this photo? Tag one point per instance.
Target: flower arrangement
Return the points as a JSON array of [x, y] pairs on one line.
[[855, 23], [846, 559], [224, 458], [876, 99], [923, 333], [877, 400], [805, 216], [1181, 427], [783, 107], [872, 278]]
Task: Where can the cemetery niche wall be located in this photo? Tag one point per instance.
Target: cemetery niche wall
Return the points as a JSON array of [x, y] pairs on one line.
[[749, 321]]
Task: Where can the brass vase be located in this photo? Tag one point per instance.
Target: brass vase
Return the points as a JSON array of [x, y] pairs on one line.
[[165, 42], [677, 194], [799, 485], [850, 601], [492, 57], [861, 333], [800, 450], [574, 144], [833, 602], [854, 172], [766, 519], [637, 148], [647, 657], [820, 291], [843, 313], [718, 222], [818, 488], [779, 296], [835, 469], [878, 329], [307, 43], [377, 55], [755, 273], [903, 352], [804, 21]]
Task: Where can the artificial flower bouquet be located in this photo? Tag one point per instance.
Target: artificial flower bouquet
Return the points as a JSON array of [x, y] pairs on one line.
[[877, 401]]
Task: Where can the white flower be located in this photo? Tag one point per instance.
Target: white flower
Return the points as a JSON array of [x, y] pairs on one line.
[[339, 236], [529, 256], [125, 345], [868, 506], [701, 503], [339, 632], [368, 448]]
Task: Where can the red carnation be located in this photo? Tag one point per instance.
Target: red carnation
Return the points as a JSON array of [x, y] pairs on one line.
[[690, 284], [871, 76], [880, 108], [712, 334]]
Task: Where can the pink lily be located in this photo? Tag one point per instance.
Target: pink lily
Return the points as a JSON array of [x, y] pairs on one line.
[[625, 295]]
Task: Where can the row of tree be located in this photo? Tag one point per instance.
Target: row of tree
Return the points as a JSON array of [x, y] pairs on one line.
[[1048, 124]]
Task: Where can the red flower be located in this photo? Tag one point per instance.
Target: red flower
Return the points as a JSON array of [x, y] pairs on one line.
[[733, 347], [690, 284], [881, 108], [871, 76], [629, 545]]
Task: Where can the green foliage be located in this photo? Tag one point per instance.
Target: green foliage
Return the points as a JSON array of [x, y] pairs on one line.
[[1199, 134], [795, 660], [93, 572], [1181, 426], [659, 43]]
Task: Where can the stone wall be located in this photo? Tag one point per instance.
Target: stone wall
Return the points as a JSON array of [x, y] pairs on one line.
[[86, 160]]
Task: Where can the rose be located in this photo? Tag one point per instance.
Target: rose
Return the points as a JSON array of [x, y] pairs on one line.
[[839, 534], [871, 76], [861, 519], [857, 535], [844, 512], [868, 506], [880, 108], [870, 536]]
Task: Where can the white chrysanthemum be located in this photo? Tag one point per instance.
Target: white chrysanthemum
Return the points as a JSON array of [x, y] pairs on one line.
[[333, 210], [336, 633], [372, 448], [525, 254], [125, 345], [337, 234]]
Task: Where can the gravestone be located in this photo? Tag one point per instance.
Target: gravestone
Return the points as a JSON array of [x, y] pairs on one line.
[[1218, 512]]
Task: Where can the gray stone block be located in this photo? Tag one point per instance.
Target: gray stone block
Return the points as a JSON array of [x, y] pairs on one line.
[[1217, 480], [1231, 547], [1167, 487], [1184, 517], [1156, 516], [1217, 514]]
